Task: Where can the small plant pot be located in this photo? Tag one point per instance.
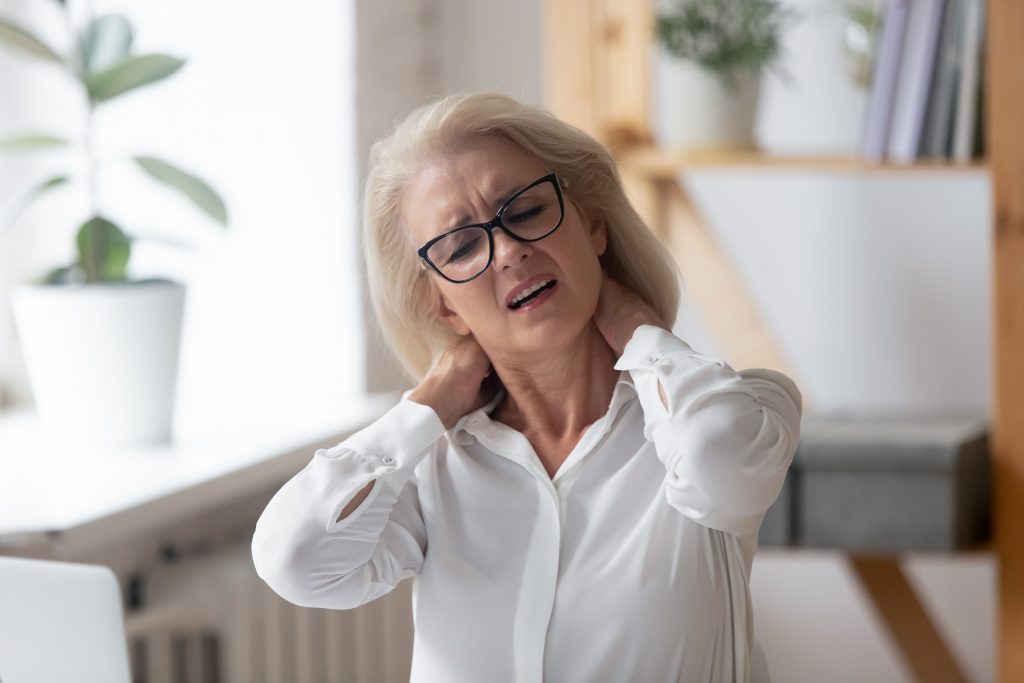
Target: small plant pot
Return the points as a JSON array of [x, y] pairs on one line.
[[697, 111], [102, 359]]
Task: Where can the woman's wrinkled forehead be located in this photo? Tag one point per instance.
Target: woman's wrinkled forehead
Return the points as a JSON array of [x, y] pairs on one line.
[[467, 185]]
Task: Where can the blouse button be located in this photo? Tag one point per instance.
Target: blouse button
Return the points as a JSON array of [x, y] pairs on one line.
[[654, 359], [387, 459]]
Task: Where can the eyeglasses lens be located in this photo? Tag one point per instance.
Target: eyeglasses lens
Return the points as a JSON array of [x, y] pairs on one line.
[[532, 215]]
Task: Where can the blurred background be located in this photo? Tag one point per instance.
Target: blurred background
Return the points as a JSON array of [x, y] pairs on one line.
[[833, 220]]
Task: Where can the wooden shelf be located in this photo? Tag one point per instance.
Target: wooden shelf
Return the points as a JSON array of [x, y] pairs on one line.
[[655, 162]]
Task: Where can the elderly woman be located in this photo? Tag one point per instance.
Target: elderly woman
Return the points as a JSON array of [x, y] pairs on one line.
[[575, 492]]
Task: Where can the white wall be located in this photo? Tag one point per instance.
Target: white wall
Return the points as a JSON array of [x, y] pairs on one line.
[[272, 329], [400, 66], [489, 45], [875, 286]]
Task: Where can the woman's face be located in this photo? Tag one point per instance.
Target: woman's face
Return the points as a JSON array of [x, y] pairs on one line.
[[469, 187]]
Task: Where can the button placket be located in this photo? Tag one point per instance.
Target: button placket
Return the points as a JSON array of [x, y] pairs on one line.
[[533, 616]]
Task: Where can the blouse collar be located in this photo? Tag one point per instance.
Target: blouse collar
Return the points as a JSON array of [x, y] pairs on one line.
[[480, 419]]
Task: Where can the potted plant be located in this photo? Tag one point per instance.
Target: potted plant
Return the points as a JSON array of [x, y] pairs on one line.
[[101, 348], [709, 86]]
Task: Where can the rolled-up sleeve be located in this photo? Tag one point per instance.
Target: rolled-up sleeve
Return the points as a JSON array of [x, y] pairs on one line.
[[726, 438], [308, 557]]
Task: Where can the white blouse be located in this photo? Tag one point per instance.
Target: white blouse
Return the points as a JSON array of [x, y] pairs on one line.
[[632, 563]]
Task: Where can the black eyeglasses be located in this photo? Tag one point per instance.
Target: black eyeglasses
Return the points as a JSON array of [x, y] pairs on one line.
[[465, 253]]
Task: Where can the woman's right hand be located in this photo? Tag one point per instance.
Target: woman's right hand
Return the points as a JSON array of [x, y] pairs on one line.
[[461, 381]]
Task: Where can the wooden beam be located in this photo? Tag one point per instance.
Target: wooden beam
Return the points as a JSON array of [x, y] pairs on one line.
[[904, 616], [1004, 104], [569, 66], [596, 67], [625, 36]]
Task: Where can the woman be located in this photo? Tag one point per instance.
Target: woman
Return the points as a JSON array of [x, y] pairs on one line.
[[575, 492]]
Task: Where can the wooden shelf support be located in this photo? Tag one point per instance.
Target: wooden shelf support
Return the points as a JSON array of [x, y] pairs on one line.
[[1004, 105]]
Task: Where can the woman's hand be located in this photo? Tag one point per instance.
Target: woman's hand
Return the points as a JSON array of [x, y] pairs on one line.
[[461, 381], [619, 312]]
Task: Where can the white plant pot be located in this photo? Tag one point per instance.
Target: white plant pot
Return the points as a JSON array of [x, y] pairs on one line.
[[102, 359], [695, 110]]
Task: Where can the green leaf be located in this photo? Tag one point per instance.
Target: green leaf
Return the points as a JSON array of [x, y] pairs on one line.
[[130, 73], [106, 41], [19, 206], [195, 189], [103, 251], [30, 141], [725, 35], [23, 40]]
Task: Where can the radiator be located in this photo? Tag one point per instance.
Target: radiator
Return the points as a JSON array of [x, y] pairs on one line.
[[211, 619]]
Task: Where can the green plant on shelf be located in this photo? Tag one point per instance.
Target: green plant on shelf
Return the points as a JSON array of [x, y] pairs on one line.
[[724, 36], [103, 64]]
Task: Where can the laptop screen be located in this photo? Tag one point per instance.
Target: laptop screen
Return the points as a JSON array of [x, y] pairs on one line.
[[60, 621]]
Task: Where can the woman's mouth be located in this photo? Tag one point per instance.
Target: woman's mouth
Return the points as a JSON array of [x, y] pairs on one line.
[[535, 299]]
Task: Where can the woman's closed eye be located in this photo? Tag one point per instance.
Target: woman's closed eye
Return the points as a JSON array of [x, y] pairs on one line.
[[464, 250], [526, 215]]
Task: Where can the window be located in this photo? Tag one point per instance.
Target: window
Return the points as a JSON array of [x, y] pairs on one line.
[[263, 111]]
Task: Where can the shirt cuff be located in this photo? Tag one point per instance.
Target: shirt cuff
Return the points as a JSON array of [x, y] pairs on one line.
[[397, 437], [650, 344], [389, 449]]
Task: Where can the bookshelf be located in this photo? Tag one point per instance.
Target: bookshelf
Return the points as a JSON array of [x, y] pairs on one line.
[[655, 163], [597, 67]]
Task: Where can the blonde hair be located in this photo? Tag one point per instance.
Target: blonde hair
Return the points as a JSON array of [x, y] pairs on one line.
[[401, 291]]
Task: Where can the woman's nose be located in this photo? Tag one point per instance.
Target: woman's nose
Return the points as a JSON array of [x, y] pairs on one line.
[[508, 251]]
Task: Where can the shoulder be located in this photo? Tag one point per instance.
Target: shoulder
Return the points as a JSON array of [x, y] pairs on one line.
[[778, 378]]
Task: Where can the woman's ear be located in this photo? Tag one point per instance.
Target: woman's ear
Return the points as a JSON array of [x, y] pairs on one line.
[[599, 236], [448, 317]]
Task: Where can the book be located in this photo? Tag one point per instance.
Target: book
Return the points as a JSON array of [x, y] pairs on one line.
[[935, 142], [883, 80], [917, 64], [969, 82]]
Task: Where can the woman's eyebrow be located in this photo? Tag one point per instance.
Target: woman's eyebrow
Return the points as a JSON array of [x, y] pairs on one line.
[[466, 220]]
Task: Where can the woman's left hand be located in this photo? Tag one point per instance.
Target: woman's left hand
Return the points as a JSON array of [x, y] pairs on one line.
[[619, 312]]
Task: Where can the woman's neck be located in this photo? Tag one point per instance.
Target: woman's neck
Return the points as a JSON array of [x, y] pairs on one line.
[[559, 395]]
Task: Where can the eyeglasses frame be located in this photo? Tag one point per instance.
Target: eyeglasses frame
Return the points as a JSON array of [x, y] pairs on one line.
[[496, 222]]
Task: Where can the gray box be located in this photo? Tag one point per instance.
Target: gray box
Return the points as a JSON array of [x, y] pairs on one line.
[[777, 526], [892, 483]]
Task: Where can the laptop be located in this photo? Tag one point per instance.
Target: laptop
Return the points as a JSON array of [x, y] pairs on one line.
[[60, 621]]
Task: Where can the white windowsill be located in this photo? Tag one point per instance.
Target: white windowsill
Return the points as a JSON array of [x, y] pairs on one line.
[[50, 490]]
